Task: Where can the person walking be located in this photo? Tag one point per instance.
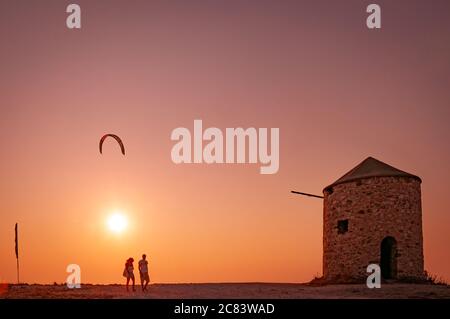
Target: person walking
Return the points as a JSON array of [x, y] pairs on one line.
[[128, 272], [143, 271]]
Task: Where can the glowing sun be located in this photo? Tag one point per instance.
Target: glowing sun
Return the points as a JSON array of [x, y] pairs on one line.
[[117, 223]]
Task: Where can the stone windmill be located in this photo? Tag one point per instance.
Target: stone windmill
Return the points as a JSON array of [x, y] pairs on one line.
[[372, 215]]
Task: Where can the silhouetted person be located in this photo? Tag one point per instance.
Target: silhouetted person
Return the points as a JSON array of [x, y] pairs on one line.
[[143, 271], [128, 272]]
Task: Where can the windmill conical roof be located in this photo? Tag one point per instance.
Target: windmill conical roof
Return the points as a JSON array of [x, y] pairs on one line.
[[372, 167]]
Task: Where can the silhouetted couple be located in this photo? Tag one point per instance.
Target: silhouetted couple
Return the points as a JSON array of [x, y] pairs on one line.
[[128, 272]]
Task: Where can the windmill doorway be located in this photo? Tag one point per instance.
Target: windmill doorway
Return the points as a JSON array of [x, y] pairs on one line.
[[388, 258]]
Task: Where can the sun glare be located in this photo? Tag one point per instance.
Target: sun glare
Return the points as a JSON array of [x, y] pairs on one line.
[[117, 222]]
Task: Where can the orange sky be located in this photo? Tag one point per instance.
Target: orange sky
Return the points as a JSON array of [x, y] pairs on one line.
[[338, 92]]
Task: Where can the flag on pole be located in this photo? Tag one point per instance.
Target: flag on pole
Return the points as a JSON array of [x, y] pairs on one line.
[[17, 251], [17, 242]]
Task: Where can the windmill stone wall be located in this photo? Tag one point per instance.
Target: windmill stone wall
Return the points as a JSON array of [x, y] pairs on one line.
[[373, 202]]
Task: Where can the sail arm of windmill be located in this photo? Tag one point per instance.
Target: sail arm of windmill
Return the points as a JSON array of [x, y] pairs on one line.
[[306, 194]]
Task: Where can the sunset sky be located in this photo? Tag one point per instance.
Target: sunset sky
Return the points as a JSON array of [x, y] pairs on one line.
[[337, 91]]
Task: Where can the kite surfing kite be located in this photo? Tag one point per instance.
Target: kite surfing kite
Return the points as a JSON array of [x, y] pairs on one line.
[[122, 148]]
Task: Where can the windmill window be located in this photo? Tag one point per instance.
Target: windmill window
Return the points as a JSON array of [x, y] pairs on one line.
[[342, 226]]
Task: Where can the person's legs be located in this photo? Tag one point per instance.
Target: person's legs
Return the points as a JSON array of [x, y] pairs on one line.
[[147, 280], [128, 281], [134, 289], [142, 282]]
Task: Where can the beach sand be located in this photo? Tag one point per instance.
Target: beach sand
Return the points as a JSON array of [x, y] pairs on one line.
[[226, 290]]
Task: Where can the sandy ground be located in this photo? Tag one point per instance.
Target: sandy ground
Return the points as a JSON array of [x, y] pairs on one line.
[[231, 290]]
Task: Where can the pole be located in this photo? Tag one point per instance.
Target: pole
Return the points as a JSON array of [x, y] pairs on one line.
[[18, 281], [306, 194], [16, 230]]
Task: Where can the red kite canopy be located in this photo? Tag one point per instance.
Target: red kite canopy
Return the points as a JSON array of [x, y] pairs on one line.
[[116, 138]]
